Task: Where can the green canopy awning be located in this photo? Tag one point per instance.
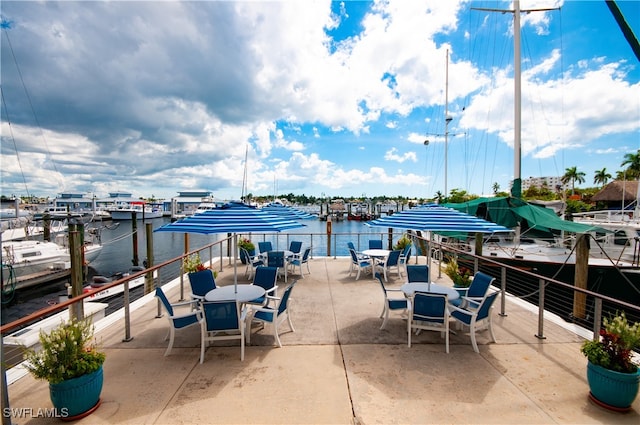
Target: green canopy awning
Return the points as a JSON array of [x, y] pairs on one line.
[[510, 212]]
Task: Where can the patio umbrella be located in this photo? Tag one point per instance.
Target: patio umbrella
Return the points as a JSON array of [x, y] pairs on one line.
[[437, 219], [286, 211], [234, 218]]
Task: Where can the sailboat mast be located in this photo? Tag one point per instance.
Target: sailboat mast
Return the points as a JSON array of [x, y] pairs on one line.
[[447, 120], [516, 189], [244, 177]]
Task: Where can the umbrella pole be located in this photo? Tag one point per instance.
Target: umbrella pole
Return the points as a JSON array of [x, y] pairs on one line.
[[235, 263]]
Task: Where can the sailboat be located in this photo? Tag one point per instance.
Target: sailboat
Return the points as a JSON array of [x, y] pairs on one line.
[[536, 245]]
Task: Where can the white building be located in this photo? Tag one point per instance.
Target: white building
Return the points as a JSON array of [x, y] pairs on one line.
[[552, 183]]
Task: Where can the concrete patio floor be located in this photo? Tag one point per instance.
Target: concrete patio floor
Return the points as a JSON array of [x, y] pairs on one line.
[[338, 367]]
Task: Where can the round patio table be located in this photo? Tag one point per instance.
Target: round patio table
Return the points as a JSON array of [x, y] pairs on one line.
[[244, 293], [377, 253], [410, 288]]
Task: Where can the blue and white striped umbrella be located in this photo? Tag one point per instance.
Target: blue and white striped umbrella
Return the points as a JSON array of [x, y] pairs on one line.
[[286, 211], [233, 218], [437, 219]]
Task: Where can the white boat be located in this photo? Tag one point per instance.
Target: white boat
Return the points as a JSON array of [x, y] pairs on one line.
[[28, 263], [100, 281], [206, 206], [28, 257], [142, 210], [622, 243]]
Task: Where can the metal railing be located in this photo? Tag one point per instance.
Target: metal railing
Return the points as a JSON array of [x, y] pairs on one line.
[[582, 307]]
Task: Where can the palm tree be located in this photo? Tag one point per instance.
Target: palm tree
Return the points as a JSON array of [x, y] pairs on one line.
[[439, 197], [572, 175], [632, 160], [601, 177], [496, 188]]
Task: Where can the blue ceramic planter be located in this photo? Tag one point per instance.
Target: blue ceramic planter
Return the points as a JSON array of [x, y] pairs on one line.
[[74, 397], [610, 389]]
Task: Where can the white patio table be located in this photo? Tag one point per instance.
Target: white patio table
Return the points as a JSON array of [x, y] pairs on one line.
[[244, 293], [377, 253], [410, 288]]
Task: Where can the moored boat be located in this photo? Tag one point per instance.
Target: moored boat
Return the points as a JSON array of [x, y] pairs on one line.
[[141, 209], [100, 281]]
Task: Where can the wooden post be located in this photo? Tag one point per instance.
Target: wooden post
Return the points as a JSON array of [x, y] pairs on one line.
[[581, 276], [47, 227], [148, 279], [328, 235], [76, 311], [134, 231], [478, 244]]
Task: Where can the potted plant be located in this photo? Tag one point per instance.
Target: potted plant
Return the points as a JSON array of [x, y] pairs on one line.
[[612, 375], [402, 243], [460, 276], [70, 361], [193, 264], [196, 270], [249, 246]]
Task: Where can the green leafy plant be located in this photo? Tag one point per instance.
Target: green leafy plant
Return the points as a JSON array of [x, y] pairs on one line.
[[402, 243], [246, 244], [460, 276], [67, 352], [613, 349], [192, 264]]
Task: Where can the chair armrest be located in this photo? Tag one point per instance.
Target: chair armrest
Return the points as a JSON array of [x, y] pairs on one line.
[[460, 289], [452, 308], [394, 290], [268, 291], [186, 303], [194, 312]]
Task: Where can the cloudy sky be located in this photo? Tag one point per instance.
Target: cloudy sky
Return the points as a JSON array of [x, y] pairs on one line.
[[322, 98]]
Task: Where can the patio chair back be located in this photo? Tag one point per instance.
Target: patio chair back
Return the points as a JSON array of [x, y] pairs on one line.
[[375, 243], [299, 260], [393, 258], [201, 283], [295, 247], [479, 285], [165, 301], [222, 321], [418, 273], [428, 311], [266, 278], [275, 258], [265, 246]]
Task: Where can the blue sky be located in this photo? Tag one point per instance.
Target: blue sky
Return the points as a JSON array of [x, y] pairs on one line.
[[324, 98]]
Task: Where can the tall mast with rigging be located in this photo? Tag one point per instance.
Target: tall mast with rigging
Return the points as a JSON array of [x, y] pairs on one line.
[[516, 188]]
